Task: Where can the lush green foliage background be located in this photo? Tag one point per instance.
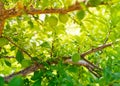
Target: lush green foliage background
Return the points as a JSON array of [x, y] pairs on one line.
[[52, 36]]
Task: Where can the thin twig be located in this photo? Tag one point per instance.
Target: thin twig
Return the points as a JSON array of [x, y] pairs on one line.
[[94, 73], [17, 46], [92, 64], [107, 37], [8, 57], [95, 49]]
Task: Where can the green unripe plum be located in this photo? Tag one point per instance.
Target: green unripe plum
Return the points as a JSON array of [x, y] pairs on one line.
[[63, 18], [80, 14], [52, 20]]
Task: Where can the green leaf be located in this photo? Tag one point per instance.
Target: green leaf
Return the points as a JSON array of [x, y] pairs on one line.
[[25, 63], [60, 29], [67, 3], [12, 48], [45, 44], [37, 83], [35, 59], [116, 84], [80, 14], [3, 42], [8, 26], [16, 81], [49, 73], [73, 69], [116, 76], [107, 75], [19, 56], [26, 82], [7, 63], [75, 57], [45, 3], [52, 20], [37, 75], [31, 23], [1, 81], [94, 2], [63, 18]]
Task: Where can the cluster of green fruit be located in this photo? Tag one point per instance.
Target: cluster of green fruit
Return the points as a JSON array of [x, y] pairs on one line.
[[53, 20]]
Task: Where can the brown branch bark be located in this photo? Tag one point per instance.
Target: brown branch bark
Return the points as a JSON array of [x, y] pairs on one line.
[[13, 12], [95, 49], [2, 21], [74, 7], [24, 72], [32, 11], [8, 57], [94, 73]]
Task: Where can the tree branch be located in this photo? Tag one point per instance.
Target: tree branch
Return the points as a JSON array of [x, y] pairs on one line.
[[37, 66], [84, 63], [32, 11], [17, 46], [74, 7], [18, 11], [24, 72], [8, 57], [95, 49], [2, 21]]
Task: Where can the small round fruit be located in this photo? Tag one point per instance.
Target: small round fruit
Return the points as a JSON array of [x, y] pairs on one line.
[[63, 18], [52, 20], [80, 14]]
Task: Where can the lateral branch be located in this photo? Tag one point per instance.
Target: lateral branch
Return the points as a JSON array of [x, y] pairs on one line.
[[17, 46], [18, 11], [83, 62]]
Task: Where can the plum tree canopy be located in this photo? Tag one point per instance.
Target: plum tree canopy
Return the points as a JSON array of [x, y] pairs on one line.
[[59, 42]]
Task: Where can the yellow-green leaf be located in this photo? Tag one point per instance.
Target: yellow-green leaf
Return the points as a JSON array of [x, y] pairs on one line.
[[25, 63], [3, 42]]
